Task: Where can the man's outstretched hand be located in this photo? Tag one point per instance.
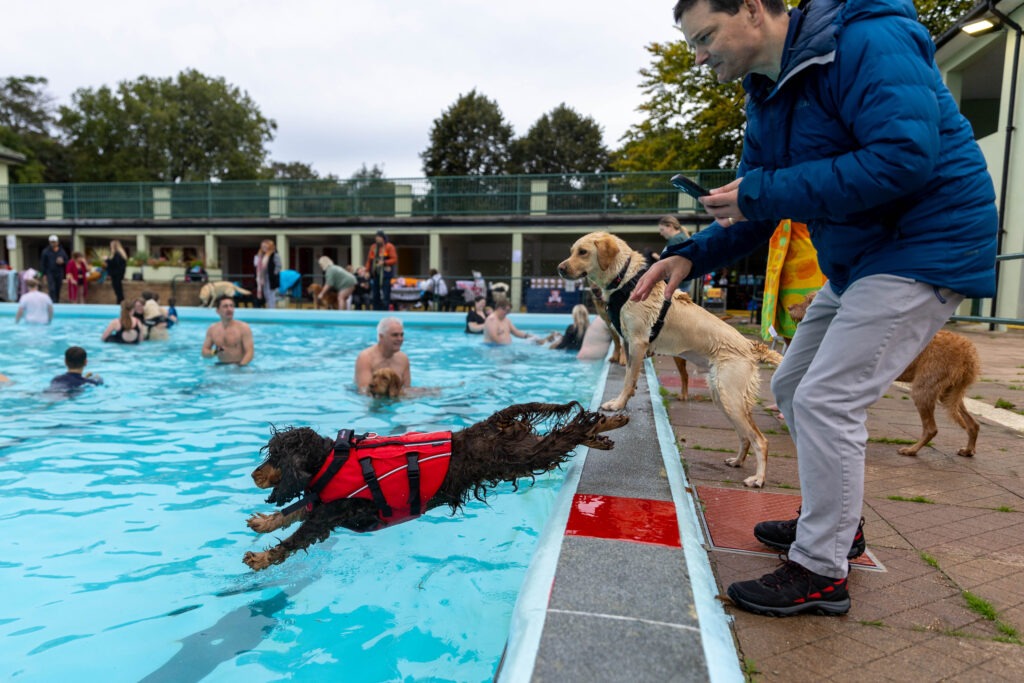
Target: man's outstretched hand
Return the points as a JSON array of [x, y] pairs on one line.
[[675, 268]]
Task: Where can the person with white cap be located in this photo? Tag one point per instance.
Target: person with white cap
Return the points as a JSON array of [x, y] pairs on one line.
[[52, 266]]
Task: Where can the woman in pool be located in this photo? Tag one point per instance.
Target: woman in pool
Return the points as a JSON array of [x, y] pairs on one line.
[[477, 316], [126, 329], [572, 338]]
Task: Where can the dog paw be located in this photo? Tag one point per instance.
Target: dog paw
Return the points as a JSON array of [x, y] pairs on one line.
[[733, 462], [754, 482], [263, 524], [613, 405], [907, 450], [966, 452], [256, 561]]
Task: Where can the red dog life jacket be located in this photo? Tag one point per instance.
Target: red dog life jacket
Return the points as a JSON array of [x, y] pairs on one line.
[[398, 473]]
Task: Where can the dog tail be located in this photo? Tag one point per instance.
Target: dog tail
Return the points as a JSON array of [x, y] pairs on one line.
[[765, 355]]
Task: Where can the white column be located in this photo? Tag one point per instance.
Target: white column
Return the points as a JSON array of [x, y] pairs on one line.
[[278, 201], [403, 200], [54, 204], [210, 255], [161, 203], [538, 197], [516, 294]]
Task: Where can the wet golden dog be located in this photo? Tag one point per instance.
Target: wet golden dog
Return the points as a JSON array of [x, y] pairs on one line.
[[619, 351], [211, 290], [942, 373], [689, 332], [385, 383]]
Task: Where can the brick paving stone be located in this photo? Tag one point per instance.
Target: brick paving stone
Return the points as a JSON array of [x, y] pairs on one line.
[[911, 622]]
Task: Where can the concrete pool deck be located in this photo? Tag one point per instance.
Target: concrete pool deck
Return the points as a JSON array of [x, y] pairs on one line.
[[617, 599]]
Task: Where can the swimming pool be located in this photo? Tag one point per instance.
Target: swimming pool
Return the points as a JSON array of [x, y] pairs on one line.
[[124, 509]]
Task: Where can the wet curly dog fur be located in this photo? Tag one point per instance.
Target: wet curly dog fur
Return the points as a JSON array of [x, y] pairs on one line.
[[506, 447]]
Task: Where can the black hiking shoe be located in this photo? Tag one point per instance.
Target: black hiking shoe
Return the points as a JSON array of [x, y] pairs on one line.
[[791, 589], [781, 534]]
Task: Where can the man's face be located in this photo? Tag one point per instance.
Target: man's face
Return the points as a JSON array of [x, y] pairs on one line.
[[728, 44], [392, 337], [226, 310], [55, 245]]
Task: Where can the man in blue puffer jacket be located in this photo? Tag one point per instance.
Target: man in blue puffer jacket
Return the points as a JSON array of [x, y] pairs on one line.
[[850, 130]]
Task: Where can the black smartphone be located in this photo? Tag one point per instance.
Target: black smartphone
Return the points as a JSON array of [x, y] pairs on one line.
[[684, 184]]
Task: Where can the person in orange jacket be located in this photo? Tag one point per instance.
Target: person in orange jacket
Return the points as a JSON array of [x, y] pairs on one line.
[[381, 264]]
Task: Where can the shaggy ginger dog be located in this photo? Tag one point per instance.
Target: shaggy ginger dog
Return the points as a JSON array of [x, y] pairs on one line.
[[680, 328], [941, 373], [338, 480], [385, 383], [211, 290], [330, 300]]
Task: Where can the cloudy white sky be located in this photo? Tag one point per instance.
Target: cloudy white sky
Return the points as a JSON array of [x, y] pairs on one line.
[[354, 81]]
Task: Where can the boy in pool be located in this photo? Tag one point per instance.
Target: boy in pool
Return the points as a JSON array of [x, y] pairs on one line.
[[73, 379]]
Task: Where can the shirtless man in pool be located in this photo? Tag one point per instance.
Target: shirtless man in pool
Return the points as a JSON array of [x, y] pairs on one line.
[[386, 353], [229, 340], [498, 329]]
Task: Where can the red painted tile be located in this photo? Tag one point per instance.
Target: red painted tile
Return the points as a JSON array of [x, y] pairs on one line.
[[624, 519]]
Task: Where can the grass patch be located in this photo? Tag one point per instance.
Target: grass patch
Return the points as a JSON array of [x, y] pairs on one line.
[[1013, 387], [1004, 404], [929, 560], [882, 439], [714, 450], [1004, 508], [749, 330], [770, 432], [980, 606], [662, 391], [914, 499], [978, 397], [876, 624], [786, 486], [750, 669]]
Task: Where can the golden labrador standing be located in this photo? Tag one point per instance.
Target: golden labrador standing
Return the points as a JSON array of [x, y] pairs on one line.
[[688, 331], [211, 290]]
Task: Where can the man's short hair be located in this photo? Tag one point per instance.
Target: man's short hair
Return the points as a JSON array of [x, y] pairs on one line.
[[75, 358], [384, 322], [223, 297], [503, 303], [730, 7]]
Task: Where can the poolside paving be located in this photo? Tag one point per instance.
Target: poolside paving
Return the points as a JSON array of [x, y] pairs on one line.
[[941, 529], [963, 535]]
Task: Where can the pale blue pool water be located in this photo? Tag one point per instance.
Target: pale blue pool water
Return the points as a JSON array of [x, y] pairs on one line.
[[124, 511]]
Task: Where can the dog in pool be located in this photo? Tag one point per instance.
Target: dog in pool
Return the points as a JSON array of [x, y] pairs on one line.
[[367, 482]]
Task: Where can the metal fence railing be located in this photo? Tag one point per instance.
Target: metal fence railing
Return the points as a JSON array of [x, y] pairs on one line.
[[600, 193], [991, 320]]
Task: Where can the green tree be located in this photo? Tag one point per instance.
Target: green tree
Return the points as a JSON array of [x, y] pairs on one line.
[[561, 142], [470, 138], [939, 15], [190, 128], [289, 170], [27, 124], [690, 120]]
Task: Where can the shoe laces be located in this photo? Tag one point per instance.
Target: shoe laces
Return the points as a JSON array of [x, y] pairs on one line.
[[789, 572]]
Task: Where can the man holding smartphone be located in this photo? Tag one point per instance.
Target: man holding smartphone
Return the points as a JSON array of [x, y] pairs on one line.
[[850, 130]]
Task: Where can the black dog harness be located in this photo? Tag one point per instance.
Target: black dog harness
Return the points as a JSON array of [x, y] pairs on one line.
[[618, 298]]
